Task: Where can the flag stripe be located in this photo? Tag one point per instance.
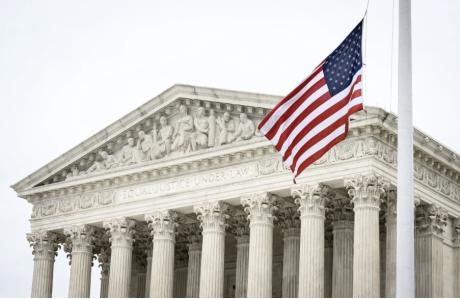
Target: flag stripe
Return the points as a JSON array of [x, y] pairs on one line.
[[298, 91], [314, 116], [336, 120]]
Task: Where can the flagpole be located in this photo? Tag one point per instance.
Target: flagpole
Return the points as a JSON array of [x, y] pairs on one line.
[[405, 281]]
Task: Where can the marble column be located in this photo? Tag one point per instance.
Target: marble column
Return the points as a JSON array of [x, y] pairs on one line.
[[104, 264], [311, 199], [342, 267], [430, 224], [390, 268], [149, 271], [240, 229], [192, 233], [366, 193], [289, 223], [457, 259], [260, 207], [45, 248], [212, 216], [80, 239], [163, 227], [328, 259], [193, 274], [121, 232], [141, 275]]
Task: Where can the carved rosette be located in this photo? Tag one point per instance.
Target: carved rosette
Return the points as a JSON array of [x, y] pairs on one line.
[[121, 231], [80, 238], [366, 191], [212, 215], [260, 207], [430, 219], [163, 224], [44, 244], [289, 221], [312, 199]]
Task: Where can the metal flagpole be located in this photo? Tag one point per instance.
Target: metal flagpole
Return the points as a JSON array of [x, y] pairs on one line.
[[405, 271]]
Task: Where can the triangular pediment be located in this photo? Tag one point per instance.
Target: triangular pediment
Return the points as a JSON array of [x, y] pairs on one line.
[[183, 120]]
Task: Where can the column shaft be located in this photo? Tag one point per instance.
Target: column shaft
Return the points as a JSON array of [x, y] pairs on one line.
[[311, 199], [80, 274], [44, 250], [104, 285], [193, 274], [161, 285], [80, 240], [429, 248], [162, 275], [121, 231], [260, 269], [366, 260], [366, 192], [212, 216], [242, 263], [148, 274], [390, 268], [311, 271], [42, 280], [342, 273], [104, 264], [291, 253]]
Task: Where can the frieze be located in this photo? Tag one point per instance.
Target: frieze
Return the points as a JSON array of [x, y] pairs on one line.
[[177, 130], [72, 203], [353, 148]]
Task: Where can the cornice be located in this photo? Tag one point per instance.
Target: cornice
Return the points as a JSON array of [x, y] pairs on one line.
[[374, 122]]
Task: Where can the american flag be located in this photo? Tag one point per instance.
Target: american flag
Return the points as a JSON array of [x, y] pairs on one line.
[[314, 116]]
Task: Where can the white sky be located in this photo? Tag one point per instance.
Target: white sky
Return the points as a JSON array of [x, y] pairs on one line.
[[70, 68]]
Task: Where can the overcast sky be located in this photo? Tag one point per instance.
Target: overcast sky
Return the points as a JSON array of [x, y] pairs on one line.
[[70, 68]]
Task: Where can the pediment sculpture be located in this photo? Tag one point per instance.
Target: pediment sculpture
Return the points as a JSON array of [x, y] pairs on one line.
[[170, 133]]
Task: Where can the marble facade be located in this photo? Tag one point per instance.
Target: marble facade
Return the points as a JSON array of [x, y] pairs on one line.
[[183, 198]]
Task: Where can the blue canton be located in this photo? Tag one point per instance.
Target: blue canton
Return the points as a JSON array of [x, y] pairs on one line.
[[342, 64]]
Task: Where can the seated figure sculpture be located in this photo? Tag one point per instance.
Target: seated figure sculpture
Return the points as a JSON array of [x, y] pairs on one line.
[[199, 138], [183, 131], [246, 128], [162, 139], [129, 153], [227, 129], [144, 146]]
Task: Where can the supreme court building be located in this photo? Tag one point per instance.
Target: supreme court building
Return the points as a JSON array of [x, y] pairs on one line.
[[183, 197]]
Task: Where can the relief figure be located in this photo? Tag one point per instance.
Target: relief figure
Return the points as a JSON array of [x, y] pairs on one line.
[[199, 138], [183, 130], [227, 128], [162, 140], [246, 128]]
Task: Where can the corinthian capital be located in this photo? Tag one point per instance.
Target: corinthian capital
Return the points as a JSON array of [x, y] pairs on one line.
[[239, 224], [190, 232], [212, 215], [312, 198], [430, 219], [121, 231], [341, 209], [44, 244], [260, 206], [366, 190], [80, 238], [288, 218], [163, 224]]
